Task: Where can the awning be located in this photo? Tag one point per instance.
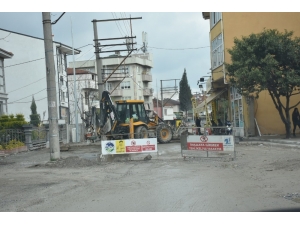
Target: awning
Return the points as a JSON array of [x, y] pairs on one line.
[[201, 107]]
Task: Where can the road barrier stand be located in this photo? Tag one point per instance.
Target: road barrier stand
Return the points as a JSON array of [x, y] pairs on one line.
[[216, 142], [127, 146]]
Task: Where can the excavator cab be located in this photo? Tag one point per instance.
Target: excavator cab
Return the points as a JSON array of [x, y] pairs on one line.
[[134, 109]]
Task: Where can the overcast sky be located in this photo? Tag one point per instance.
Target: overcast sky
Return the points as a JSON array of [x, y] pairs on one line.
[[176, 40], [178, 37]]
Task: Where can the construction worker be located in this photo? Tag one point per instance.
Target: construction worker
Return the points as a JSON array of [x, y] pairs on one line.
[[198, 125]]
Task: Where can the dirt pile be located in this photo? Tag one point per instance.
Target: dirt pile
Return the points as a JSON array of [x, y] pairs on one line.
[[71, 162]]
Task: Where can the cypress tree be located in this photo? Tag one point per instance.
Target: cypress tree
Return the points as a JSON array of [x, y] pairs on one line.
[[34, 117], [185, 94]]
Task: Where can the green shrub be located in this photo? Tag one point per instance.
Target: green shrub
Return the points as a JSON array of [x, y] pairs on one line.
[[12, 145], [12, 122]]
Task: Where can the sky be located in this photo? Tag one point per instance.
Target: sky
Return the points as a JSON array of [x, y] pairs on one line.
[[177, 41], [178, 36]]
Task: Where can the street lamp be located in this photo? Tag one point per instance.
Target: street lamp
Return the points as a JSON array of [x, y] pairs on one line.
[[200, 83]]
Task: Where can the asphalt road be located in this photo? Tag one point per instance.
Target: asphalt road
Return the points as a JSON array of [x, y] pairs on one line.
[[261, 178]]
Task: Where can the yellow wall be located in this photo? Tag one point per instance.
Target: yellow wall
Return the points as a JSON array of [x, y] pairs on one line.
[[242, 24]]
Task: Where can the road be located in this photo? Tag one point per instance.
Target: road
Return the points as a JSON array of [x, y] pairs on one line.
[[261, 178]]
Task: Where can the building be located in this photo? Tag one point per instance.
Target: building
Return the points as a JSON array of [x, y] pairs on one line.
[[3, 95], [170, 107], [25, 74], [132, 80], [247, 115], [86, 93]]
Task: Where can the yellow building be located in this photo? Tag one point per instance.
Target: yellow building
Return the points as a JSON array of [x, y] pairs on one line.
[[253, 117]]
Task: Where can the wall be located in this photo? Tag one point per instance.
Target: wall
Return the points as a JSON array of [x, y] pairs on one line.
[[25, 74], [243, 24]]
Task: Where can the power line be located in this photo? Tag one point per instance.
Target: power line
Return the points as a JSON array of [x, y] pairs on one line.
[[26, 85], [117, 23], [84, 46], [27, 96], [128, 33], [178, 48], [58, 19], [24, 62], [5, 37]]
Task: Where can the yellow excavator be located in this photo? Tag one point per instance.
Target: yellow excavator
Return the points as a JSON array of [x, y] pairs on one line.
[[129, 119]]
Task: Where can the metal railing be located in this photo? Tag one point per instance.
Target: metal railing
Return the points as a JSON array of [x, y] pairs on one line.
[[11, 134]]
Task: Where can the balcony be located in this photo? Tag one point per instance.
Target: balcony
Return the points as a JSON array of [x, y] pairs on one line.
[[117, 92], [148, 91], [114, 77], [146, 78]]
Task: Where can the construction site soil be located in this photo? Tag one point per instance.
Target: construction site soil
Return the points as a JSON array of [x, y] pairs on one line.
[[260, 178]]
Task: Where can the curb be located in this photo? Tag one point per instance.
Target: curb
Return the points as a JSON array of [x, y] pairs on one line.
[[270, 143]]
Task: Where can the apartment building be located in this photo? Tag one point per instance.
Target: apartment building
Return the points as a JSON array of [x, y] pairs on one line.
[[247, 115]]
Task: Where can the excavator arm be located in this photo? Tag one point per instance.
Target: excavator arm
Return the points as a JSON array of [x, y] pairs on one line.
[[109, 116]]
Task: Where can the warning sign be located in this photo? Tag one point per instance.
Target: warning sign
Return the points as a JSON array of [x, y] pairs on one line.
[[210, 143], [133, 148], [129, 146], [205, 146]]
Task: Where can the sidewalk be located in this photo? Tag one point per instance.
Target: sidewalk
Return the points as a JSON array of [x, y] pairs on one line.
[[274, 140]]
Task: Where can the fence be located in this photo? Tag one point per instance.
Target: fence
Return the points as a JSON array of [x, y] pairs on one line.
[[11, 134], [218, 142]]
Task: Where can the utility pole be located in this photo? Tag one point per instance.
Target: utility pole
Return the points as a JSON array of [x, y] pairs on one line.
[[98, 50], [98, 60], [162, 100], [51, 88]]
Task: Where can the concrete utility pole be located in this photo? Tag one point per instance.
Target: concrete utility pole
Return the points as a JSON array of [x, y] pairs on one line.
[[51, 88], [98, 60]]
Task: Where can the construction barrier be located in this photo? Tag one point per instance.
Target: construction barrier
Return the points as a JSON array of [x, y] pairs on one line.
[[208, 146], [129, 146]]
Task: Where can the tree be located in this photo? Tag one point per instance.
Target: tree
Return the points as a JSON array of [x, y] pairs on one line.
[[185, 94], [269, 61], [34, 117]]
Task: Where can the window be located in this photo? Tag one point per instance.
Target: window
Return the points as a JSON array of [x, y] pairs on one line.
[[126, 97], [62, 95], [109, 86], [125, 85], [214, 18], [86, 97], [1, 108], [217, 52]]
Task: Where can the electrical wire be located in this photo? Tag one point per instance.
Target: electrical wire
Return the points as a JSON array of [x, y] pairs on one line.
[[27, 96], [16, 101], [36, 59], [26, 85], [24, 62], [5, 37], [128, 33], [84, 46], [178, 48], [58, 19], [117, 23]]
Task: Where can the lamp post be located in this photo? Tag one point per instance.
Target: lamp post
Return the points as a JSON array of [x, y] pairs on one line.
[[200, 83]]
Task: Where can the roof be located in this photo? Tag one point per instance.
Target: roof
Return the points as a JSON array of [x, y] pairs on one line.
[[129, 101], [167, 102], [78, 71], [58, 44], [5, 54], [206, 15]]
